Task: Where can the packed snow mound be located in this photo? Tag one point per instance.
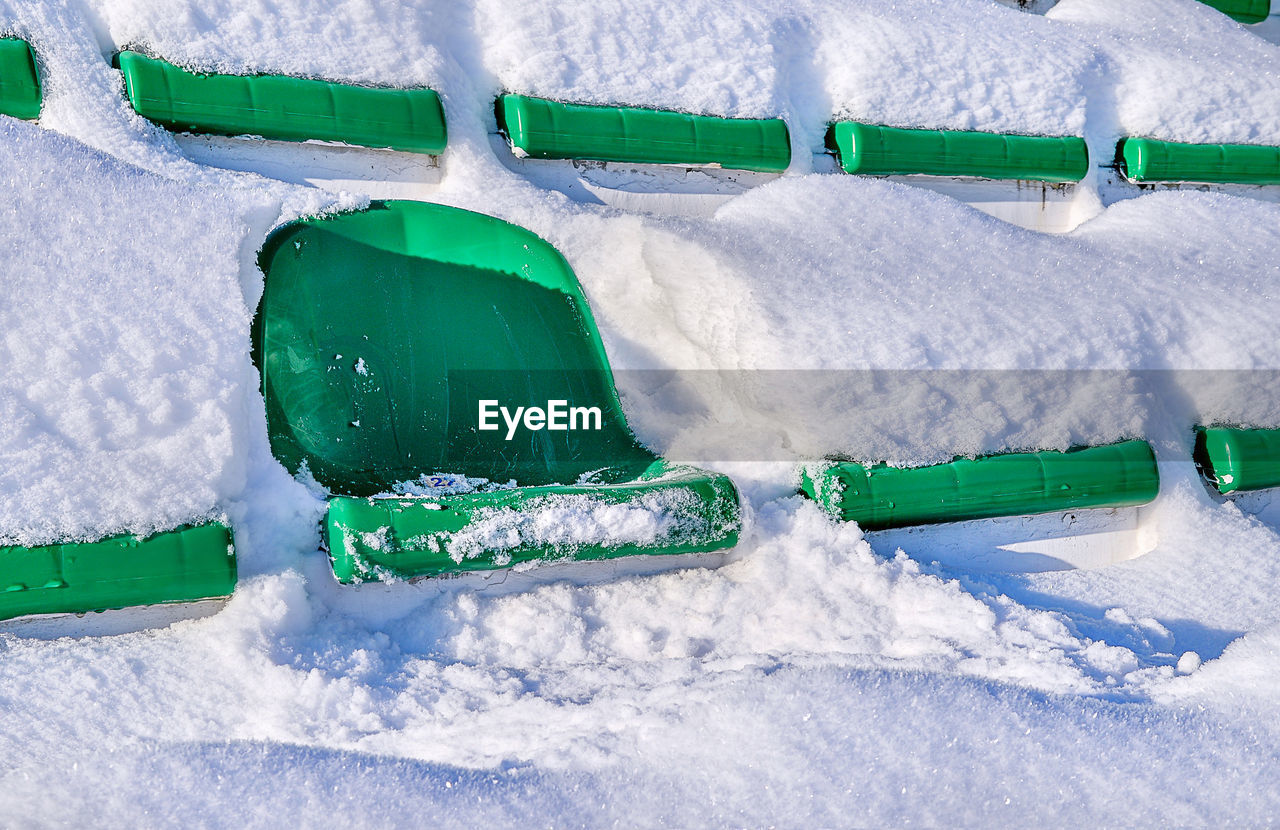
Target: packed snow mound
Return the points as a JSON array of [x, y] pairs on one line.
[[902, 62], [896, 62], [1038, 342], [361, 42], [126, 381], [1176, 70], [809, 653], [1127, 290], [696, 56], [725, 755], [910, 64]]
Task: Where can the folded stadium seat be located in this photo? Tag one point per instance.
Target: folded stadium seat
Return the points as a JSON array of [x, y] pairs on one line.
[[1238, 459], [1245, 11], [183, 565], [19, 80], [872, 150], [543, 129], [283, 108], [1010, 484], [1150, 160], [391, 339]]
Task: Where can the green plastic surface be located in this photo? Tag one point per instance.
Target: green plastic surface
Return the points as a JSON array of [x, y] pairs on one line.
[[1245, 11], [1150, 160], [283, 108], [374, 538], [380, 332], [873, 150], [19, 79], [1012, 484], [183, 565], [1239, 459], [545, 129]]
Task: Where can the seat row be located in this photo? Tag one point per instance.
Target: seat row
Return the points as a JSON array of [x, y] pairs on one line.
[[398, 423], [413, 120]]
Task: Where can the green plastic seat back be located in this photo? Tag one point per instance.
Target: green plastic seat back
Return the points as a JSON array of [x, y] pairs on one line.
[[380, 333], [20, 90]]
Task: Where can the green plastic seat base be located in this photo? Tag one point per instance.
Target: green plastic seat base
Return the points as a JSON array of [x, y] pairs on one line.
[[184, 565], [1245, 11], [283, 108], [1238, 459], [1010, 484], [669, 510], [543, 129], [1150, 160], [871, 150], [19, 80]]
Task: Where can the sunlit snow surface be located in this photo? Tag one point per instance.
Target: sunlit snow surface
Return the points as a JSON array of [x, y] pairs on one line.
[[809, 680]]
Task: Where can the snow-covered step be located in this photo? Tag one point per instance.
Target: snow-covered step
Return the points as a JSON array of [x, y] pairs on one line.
[[1027, 544], [638, 188], [110, 622], [379, 174], [1037, 206], [1113, 187]]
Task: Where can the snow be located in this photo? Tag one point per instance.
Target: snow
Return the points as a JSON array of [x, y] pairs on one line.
[[910, 64], [567, 522], [711, 61], [126, 366], [808, 681], [1177, 71], [560, 523]]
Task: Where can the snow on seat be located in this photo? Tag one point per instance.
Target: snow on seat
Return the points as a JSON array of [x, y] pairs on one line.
[[873, 150], [19, 80], [664, 510], [1151, 160], [1245, 11], [283, 108], [544, 129], [1238, 459], [1009, 484], [419, 348], [183, 565]]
